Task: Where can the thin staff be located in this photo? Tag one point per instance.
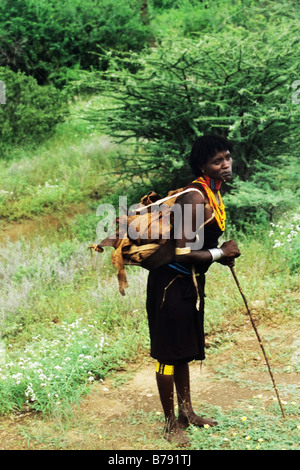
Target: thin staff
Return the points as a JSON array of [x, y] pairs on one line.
[[259, 339]]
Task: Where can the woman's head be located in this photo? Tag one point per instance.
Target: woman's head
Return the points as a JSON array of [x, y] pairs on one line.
[[206, 147]]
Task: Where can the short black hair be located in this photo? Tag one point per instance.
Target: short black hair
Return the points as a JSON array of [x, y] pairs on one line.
[[206, 147]]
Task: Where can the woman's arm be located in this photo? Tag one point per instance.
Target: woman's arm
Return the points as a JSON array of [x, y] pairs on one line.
[[192, 204]]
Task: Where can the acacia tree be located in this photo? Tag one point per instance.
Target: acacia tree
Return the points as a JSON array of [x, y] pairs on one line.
[[236, 83]]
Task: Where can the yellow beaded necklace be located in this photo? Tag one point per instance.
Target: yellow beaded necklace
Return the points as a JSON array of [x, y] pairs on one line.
[[218, 208]]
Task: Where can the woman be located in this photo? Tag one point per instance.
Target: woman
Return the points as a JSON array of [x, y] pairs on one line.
[[175, 292]]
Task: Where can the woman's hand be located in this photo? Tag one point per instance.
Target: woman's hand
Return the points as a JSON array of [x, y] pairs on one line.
[[231, 251]]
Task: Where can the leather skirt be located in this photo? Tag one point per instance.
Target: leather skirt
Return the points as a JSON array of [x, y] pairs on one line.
[[175, 321]]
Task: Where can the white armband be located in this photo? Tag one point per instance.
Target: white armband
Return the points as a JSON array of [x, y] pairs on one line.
[[216, 253]]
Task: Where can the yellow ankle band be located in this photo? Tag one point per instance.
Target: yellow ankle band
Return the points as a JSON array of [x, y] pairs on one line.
[[164, 369]]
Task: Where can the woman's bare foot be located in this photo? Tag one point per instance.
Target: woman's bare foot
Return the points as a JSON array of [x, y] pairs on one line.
[[175, 435], [185, 420]]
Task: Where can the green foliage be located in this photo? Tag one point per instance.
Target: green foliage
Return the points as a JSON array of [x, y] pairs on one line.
[[63, 172], [285, 236], [269, 193], [236, 83], [187, 89], [45, 39], [164, 4], [190, 17], [30, 112]]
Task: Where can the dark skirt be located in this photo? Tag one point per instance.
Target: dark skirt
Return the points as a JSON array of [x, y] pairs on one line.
[[175, 324]]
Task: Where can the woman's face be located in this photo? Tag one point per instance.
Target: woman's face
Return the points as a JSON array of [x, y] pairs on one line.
[[219, 166]]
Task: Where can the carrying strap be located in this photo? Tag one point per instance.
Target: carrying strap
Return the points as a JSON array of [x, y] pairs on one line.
[[139, 209]]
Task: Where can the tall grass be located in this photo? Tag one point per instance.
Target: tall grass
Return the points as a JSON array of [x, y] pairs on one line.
[[71, 167], [63, 323]]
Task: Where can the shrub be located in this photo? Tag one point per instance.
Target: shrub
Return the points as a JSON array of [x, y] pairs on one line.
[[31, 112], [191, 17], [266, 196], [40, 38], [219, 84], [234, 83]]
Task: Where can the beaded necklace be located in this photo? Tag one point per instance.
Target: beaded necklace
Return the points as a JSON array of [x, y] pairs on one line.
[[208, 185]]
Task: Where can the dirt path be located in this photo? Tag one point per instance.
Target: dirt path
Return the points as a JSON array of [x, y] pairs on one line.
[[41, 224], [124, 412]]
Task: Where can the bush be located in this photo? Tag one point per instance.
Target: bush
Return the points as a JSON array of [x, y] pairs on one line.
[[234, 83], [30, 112], [183, 89], [40, 38], [266, 196], [191, 17], [164, 4]]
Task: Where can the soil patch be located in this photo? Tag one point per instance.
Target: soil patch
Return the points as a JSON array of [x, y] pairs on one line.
[[41, 224]]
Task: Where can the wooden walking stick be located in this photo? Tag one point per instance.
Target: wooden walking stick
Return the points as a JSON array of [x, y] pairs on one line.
[[259, 339]]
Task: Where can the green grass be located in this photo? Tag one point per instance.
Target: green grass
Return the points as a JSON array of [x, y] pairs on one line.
[[70, 168], [267, 271], [253, 428], [61, 304], [51, 373]]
